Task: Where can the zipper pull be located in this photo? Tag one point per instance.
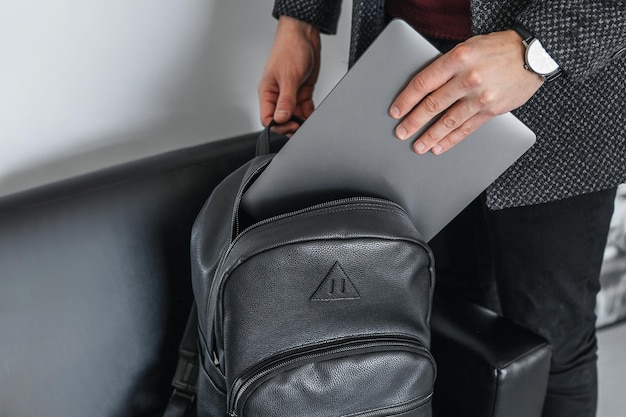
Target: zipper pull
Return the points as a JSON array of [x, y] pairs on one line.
[[231, 414]]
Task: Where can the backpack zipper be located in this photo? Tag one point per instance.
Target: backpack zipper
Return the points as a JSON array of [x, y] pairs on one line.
[[397, 409], [255, 376], [341, 201], [387, 411]]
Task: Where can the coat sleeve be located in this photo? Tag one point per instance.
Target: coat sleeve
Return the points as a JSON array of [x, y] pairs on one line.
[[583, 36], [324, 14]]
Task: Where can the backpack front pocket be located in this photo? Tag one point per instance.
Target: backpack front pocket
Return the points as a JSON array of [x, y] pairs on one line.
[[365, 376]]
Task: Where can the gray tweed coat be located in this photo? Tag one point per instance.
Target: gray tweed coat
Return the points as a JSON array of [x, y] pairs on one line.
[[579, 119]]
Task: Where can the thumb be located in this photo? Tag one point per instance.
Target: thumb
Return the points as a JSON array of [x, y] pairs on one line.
[[286, 103]]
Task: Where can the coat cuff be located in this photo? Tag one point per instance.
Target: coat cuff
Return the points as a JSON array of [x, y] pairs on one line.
[[323, 14], [582, 37]]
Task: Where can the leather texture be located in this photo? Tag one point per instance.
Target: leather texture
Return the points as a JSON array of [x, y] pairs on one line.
[[310, 312], [94, 284], [506, 366], [95, 292]]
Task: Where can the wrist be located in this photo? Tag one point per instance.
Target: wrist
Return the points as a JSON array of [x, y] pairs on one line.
[[515, 43], [297, 26]]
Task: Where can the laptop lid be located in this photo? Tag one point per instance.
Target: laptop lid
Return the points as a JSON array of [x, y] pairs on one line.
[[347, 146]]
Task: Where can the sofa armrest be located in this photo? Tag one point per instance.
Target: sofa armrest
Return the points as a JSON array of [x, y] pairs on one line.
[[487, 365]]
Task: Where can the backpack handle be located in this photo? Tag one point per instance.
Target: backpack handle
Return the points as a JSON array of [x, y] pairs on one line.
[[264, 142]]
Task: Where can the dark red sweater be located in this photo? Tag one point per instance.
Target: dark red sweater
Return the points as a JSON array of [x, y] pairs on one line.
[[443, 19]]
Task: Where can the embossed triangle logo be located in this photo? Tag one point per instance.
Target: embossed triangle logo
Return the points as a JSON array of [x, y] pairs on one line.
[[336, 286]]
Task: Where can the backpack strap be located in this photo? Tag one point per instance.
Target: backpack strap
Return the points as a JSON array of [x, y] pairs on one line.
[[185, 379]]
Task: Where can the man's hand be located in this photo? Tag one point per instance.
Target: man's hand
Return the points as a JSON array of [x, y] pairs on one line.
[[474, 82], [291, 71]]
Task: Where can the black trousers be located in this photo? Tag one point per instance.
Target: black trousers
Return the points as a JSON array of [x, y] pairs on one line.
[[538, 266]]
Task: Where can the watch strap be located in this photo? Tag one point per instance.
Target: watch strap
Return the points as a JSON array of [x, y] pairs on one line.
[[524, 33]]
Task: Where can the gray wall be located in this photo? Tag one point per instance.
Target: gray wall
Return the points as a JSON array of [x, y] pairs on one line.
[[89, 84]]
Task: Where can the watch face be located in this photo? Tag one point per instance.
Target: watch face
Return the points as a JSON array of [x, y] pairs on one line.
[[538, 59]]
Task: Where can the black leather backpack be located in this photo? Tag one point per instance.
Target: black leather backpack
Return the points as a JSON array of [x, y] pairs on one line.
[[318, 312]]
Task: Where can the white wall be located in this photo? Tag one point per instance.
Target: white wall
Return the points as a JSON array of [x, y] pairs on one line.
[[89, 84]]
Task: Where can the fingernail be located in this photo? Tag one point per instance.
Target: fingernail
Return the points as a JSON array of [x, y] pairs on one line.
[[394, 111], [420, 147], [437, 149], [401, 132], [280, 113]]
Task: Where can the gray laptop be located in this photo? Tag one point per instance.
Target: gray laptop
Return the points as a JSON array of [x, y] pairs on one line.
[[347, 146]]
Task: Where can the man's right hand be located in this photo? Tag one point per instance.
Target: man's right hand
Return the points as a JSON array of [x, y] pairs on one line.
[[290, 74]]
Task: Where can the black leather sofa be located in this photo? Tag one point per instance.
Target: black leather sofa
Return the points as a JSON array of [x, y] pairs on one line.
[[95, 292]]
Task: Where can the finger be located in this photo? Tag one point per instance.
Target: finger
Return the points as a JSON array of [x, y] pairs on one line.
[[461, 133], [423, 83], [286, 102], [268, 95], [451, 120], [431, 106], [305, 102]]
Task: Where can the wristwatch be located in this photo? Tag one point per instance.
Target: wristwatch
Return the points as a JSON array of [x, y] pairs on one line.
[[536, 58]]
